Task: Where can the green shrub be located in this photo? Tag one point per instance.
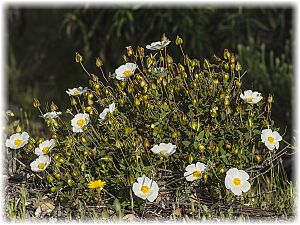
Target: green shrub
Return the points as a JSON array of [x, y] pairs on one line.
[[107, 138]]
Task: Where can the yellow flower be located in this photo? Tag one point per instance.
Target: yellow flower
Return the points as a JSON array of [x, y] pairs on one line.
[[96, 184]]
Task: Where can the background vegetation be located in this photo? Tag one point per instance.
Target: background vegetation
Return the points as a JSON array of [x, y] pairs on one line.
[[41, 50]]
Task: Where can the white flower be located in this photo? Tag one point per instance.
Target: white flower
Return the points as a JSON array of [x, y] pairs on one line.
[[17, 140], [79, 121], [51, 115], [251, 97], [41, 163], [236, 181], [110, 109], [76, 91], [45, 147], [125, 71], [145, 188], [271, 139], [194, 172], [158, 45], [164, 149]]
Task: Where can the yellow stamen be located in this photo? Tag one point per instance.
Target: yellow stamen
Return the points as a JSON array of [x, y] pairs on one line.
[[196, 174], [46, 150], [127, 73], [145, 189], [18, 142], [41, 166], [250, 99], [164, 151], [271, 139], [81, 122], [76, 92], [236, 181]]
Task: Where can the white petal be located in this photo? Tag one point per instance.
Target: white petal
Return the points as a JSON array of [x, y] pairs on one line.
[[77, 129], [191, 168], [277, 136], [52, 143], [9, 144], [25, 136], [236, 190], [248, 93], [136, 188], [153, 195], [186, 174], [228, 182], [190, 178], [243, 175], [112, 107], [102, 115], [245, 186], [155, 149], [200, 166], [141, 180], [232, 172], [38, 151], [154, 186], [131, 66], [270, 146], [276, 145], [147, 181]]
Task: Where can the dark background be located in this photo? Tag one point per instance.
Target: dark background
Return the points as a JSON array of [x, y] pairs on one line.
[[42, 43]]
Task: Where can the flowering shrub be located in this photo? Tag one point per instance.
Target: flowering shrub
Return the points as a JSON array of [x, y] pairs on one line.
[[156, 130]]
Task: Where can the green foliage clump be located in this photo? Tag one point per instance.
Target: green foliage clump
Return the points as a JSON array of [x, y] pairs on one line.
[[195, 105]]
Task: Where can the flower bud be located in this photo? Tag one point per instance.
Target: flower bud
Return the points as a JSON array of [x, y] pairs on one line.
[[18, 129], [141, 52], [226, 66], [99, 62], [238, 67], [53, 107], [73, 101], [238, 84], [88, 108], [97, 86], [164, 37], [78, 58], [61, 160], [178, 41], [36, 103], [201, 148], [207, 64], [226, 54], [169, 59], [270, 99], [70, 182], [53, 189], [129, 50], [118, 144], [258, 158], [226, 77], [50, 178]]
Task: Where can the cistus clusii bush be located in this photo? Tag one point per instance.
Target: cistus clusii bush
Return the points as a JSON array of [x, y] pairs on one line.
[[156, 131]]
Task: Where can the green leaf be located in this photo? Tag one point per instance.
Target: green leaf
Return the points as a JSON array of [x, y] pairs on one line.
[[186, 143]]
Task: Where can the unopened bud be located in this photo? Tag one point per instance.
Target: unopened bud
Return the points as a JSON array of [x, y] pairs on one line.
[[36, 103], [178, 41], [99, 62], [78, 58]]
